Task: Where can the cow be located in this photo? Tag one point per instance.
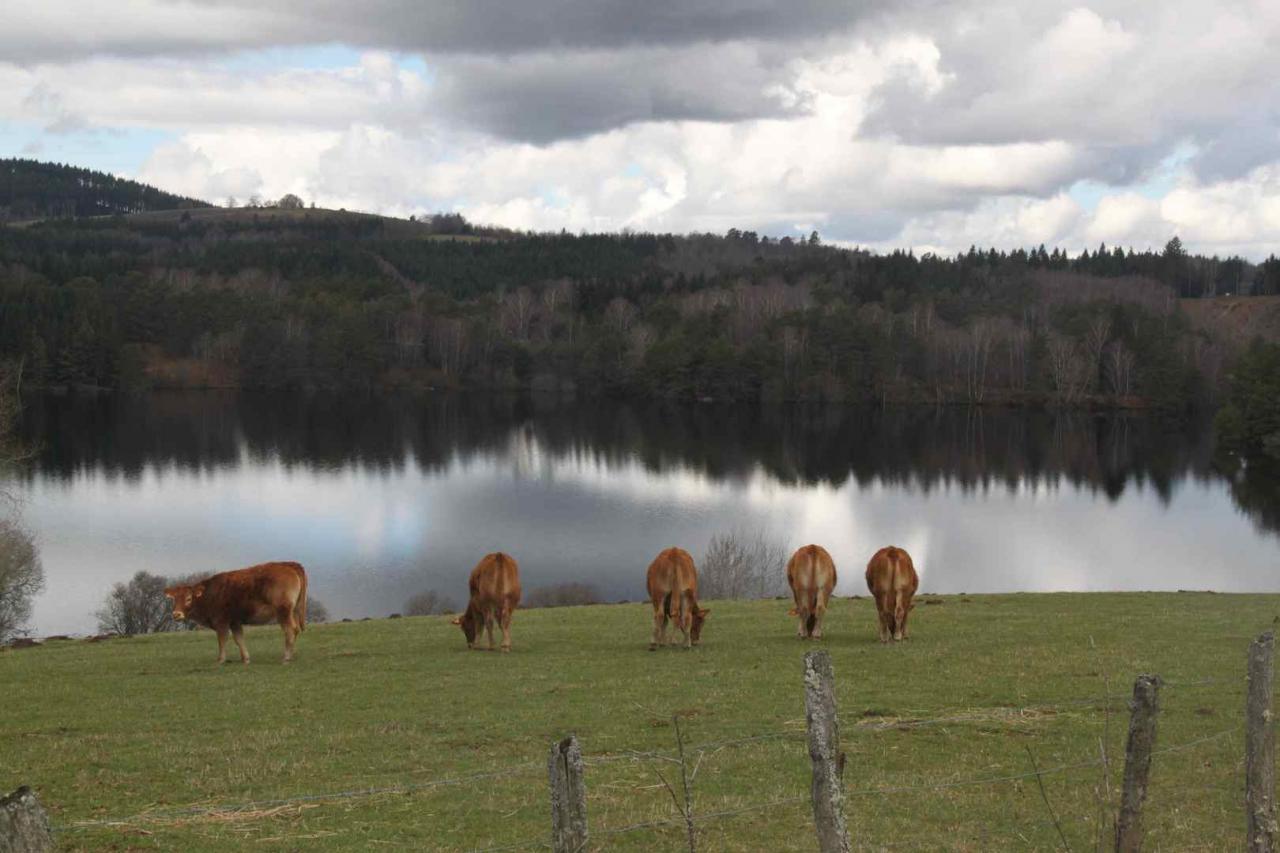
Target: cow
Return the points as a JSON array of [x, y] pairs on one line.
[[495, 595], [672, 580], [811, 574], [227, 601], [892, 579]]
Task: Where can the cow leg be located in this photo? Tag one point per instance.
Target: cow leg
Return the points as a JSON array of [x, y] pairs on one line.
[[284, 615], [899, 616], [819, 611], [802, 618], [505, 623], [222, 643], [882, 613], [686, 617], [659, 625], [488, 626], [237, 633]]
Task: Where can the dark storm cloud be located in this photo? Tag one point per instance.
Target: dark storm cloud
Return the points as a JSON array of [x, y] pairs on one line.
[[61, 30], [1235, 149], [543, 97]]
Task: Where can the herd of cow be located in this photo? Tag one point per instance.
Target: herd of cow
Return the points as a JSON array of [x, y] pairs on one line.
[[228, 601]]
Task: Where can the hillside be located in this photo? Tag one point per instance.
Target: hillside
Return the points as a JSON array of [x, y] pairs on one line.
[[1236, 320], [32, 190], [390, 732], [320, 299]]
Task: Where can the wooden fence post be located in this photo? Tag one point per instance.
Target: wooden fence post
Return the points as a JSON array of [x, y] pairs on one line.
[[1260, 748], [568, 797], [1137, 762], [824, 752], [24, 827]]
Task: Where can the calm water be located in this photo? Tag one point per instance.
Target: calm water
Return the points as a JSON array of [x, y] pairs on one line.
[[383, 497]]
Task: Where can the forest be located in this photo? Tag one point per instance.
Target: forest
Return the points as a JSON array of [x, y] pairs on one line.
[[191, 296]]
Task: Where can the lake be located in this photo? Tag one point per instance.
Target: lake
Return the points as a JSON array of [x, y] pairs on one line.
[[381, 497]]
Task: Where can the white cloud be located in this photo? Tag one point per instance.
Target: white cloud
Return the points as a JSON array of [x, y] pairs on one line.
[[965, 125]]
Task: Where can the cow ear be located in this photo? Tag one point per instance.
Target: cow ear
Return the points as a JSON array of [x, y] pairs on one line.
[[171, 592], [704, 612], [793, 612], [199, 591], [456, 621]]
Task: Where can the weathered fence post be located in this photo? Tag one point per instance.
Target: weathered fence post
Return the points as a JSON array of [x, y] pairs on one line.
[[1260, 748], [24, 827], [568, 797], [824, 752], [1137, 762]]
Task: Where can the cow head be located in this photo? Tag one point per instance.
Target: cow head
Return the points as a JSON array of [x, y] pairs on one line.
[[470, 622], [184, 599], [695, 624]]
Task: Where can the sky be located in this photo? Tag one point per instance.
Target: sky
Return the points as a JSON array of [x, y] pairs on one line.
[[925, 124]]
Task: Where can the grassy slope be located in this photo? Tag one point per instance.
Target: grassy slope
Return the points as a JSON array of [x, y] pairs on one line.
[[115, 729]]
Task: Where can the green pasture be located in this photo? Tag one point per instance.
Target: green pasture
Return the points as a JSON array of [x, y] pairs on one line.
[[390, 734]]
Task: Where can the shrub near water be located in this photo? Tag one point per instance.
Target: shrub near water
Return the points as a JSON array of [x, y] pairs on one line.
[[742, 564]]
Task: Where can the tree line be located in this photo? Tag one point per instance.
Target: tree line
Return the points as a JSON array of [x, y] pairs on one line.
[[30, 189], [311, 299]]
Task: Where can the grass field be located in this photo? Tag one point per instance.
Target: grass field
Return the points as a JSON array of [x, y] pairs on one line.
[[122, 739]]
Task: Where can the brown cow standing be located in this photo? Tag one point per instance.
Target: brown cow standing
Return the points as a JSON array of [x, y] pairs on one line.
[[811, 573], [892, 579], [226, 602], [495, 594], [673, 588]]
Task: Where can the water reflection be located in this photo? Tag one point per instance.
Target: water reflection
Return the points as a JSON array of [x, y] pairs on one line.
[[384, 496], [922, 447]]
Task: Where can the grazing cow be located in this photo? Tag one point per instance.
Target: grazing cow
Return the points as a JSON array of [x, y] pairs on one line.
[[226, 602], [673, 588], [811, 573], [892, 579], [495, 594]]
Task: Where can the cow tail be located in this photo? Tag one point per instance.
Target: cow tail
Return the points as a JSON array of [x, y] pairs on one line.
[[300, 606], [894, 592], [814, 592]]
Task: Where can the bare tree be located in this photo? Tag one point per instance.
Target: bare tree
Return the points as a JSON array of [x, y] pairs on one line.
[[742, 564], [448, 337], [429, 603], [516, 312], [21, 573], [641, 338], [557, 293], [1068, 368], [21, 577], [977, 355], [137, 607], [795, 344], [1095, 342], [409, 328], [620, 314], [1016, 342], [1119, 369]]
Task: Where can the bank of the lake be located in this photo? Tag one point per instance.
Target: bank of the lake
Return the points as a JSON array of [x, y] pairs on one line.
[[385, 497], [110, 731]]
